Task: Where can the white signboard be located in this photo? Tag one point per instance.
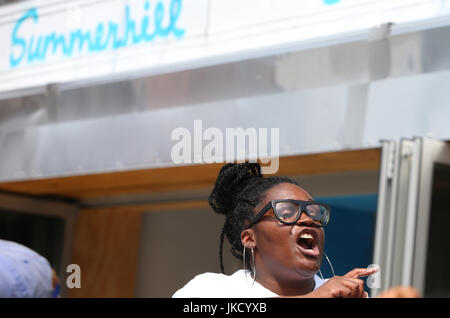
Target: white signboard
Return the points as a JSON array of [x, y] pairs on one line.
[[52, 41]]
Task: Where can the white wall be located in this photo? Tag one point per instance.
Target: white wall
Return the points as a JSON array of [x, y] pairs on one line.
[[176, 246]]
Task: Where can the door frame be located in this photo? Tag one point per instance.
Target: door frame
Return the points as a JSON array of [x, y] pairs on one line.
[[47, 207]]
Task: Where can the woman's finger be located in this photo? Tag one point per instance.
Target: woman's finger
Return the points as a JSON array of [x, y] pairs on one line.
[[355, 285], [361, 272]]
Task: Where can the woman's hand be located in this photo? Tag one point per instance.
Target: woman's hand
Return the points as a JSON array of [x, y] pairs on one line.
[[347, 286]]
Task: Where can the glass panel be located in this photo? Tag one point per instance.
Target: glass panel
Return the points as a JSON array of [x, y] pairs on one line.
[[43, 234], [350, 234], [437, 275]]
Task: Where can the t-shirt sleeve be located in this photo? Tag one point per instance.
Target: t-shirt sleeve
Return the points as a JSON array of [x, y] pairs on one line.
[[205, 285]]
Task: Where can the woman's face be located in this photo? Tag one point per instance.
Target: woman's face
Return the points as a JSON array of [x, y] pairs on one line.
[[279, 247]]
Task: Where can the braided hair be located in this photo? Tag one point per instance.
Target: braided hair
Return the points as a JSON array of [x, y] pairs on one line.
[[239, 188]]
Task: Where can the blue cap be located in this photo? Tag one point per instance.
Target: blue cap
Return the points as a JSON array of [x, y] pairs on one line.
[[23, 272]]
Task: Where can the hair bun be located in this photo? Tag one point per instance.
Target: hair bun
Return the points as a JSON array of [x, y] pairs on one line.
[[233, 177]]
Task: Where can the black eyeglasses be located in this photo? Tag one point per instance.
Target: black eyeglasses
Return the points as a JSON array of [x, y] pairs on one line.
[[288, 211]]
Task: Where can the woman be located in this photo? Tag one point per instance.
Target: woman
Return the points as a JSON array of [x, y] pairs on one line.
[[276, 228]]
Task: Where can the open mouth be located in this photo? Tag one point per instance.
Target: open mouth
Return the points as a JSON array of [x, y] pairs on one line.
[[307, 243]]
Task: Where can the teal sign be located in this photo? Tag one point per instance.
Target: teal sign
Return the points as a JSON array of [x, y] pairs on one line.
[[108, 35]]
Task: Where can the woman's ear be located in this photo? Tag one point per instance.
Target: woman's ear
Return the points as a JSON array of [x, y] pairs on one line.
[[248, 238]]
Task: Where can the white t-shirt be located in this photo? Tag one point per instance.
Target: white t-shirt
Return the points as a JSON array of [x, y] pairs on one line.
[[238, 285]]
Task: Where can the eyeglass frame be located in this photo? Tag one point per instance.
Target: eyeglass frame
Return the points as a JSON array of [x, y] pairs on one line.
[[302, 207]]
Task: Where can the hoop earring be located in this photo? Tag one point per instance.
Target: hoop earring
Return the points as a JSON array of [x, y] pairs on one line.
[[244, 261], [254, 267], [253, 263], [329, 263], [331, 266], [320, 274]]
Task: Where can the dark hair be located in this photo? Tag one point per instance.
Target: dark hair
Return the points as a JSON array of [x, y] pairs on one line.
[[239, 188]]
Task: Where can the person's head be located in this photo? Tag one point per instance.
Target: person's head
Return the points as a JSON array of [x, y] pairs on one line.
[[24, 273], [293, 250]]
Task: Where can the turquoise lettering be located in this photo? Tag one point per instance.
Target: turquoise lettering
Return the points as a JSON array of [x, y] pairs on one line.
[[99, 46], [36, 54], [159, 16], [175, 10], [54, 41], [131, 28], [82, 38], [32, 13], [145, 24], [37, 47], [330, 2], [112, 34]]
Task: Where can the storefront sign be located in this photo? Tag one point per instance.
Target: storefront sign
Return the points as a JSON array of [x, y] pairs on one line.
[[35, 46], [50, 41]]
